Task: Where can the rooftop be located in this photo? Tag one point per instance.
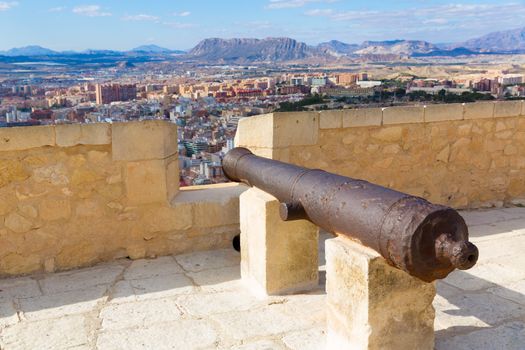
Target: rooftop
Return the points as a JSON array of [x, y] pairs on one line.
[[197, 301]]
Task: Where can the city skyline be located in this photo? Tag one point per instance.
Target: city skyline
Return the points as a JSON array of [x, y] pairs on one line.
[[122, 25]]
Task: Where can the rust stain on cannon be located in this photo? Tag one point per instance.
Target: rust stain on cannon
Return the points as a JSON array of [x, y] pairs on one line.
[[426, 240]]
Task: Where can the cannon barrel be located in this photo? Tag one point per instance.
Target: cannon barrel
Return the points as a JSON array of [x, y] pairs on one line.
[[426, 240]]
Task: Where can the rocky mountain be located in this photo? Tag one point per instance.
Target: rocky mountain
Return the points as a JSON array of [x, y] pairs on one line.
[[252, 50], [32, 50], [505, 41], [395, 47], [335, 48]]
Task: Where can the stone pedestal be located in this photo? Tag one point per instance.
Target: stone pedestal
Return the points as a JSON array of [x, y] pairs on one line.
[[372, 305], [277, 257]]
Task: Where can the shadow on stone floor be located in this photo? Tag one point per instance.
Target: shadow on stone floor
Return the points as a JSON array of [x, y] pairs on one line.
[[480, 311]]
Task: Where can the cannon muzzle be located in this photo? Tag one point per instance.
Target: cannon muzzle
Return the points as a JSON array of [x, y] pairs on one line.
[[426, 240]]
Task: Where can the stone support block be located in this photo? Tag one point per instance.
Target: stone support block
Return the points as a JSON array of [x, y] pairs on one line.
[[504, 109], [372, 305], [22, 138], [146, 140], [277, 257], [445, 112], [403, 115], [151, 181], [479, 110], [362, 117]]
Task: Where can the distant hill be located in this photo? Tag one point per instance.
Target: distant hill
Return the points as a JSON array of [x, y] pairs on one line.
[[504, 41], [155, 49], [395, 47], [335, 47], [252, 50], [32, 50]]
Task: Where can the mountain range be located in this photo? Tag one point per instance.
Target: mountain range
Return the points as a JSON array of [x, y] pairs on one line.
[[286, 49]]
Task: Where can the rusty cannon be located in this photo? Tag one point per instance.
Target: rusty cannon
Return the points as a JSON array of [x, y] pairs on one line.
[[426, 240]]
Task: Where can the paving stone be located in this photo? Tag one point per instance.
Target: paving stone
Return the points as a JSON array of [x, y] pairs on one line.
[[449, 320], [64, 333], [8, 315], [122, 292], [513, 291], [492, 216], [23, 287], [476, 309], [161, 287], [264, 322], [312, 339], [445, 290], [482, 276], [151, 268], [62, 304], [510, 336], [218, 280], [495, 249], [261, 345], [80, 279], [139, 314], [215, 259], [202, 305], [183, 334]]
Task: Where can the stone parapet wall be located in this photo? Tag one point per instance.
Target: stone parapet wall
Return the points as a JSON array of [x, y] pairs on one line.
[[75, 195], [463, 155]]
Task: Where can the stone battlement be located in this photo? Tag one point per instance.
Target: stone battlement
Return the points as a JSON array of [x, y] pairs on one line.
[[75, 195], [463, 155]]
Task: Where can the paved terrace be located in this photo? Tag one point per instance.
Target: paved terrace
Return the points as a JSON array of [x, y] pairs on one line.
[[197, 301]]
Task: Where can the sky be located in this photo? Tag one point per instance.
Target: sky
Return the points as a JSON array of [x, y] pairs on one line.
[[177, 24]]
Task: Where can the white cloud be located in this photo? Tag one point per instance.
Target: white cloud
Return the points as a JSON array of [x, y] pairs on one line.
[[320, 12], [90, 11], [182, 14], [140, 17], [178, 25], [4, 6], [286, 4], [57, 9], [424, 22]]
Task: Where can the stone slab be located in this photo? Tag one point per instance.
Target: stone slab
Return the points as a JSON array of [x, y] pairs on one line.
[[277, 257], [370, 303]]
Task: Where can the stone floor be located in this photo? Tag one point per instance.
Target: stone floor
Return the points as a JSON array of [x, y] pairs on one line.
[[197, 301]]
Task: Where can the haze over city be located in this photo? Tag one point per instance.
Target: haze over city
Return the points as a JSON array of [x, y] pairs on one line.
[[122, 25]]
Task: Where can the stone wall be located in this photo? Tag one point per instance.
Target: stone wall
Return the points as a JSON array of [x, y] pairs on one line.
[[75, 195], [463, 155]]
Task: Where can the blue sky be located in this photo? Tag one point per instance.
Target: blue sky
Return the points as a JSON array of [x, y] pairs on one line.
[[176, 24]]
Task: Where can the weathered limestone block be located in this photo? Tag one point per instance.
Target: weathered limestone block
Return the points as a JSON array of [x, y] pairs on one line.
[[12, 171], [479, 110], [372, 305], [277, 257], [151, 181], [402, 115], [503, 109], [16, 139], [55, 208], [152, 139], [17, 223], [331, 119], [295, 129], [255, 131], [438, 113], [362, 117], [96, 134]]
